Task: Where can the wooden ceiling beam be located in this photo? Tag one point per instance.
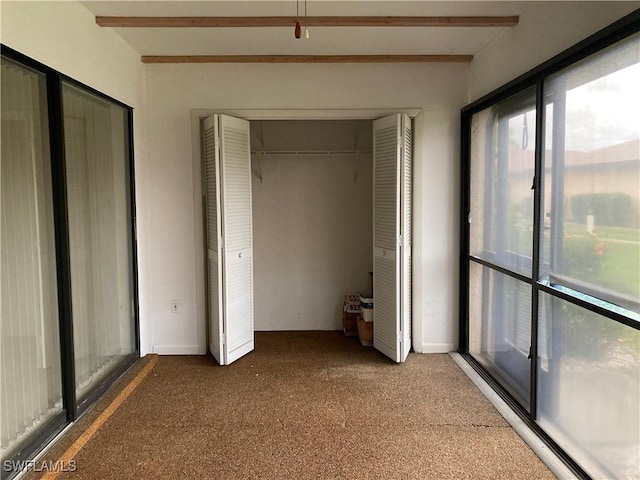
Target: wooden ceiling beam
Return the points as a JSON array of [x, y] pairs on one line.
[[222, 22], [306, 58]]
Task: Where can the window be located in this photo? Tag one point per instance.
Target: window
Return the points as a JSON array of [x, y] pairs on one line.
[[591, 251], [67, 283], [502, 170], [551, 249], [501, 227], [592, 176]]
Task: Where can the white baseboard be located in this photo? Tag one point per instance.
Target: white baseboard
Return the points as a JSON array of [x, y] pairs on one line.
[[438, 348], [176, 349]]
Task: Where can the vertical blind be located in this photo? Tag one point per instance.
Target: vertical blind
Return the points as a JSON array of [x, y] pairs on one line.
[[30, 381], [75, 249], [96, 170]]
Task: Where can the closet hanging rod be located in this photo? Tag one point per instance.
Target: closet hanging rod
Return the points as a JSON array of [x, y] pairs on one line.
[[272, 153]]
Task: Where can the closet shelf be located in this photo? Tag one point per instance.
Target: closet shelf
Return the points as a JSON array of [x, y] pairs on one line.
[[274, 153], [260, 154]]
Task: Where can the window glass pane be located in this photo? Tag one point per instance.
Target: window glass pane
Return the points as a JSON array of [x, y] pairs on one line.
[[591, 206], [502, 169], [97, 167], [589, 387], [500, 327], [30, 378]]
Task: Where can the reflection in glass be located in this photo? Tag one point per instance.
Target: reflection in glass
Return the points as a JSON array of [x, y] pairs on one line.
[[589, 387], [591, 207], [502, 170], [500, 327], [97, 171]]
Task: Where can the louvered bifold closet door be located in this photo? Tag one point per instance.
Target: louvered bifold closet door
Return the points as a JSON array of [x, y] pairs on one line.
[[213, 233], [406, 195], [392, 236], [237, 232]]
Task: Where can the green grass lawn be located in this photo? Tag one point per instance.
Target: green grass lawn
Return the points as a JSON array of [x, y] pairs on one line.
[[609, 258], [619, 233], [615, 233], [619, 266]]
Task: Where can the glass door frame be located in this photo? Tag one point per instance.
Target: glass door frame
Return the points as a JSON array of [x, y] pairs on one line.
[[72, 410], [616, 32], [502, 262]]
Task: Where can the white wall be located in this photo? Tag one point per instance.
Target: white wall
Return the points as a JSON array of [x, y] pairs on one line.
[[176, 260], [436, 203], [312, 222], [64, 36], [545, 29]]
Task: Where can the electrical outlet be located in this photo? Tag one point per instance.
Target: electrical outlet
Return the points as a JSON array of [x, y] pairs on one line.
[[176, 306]]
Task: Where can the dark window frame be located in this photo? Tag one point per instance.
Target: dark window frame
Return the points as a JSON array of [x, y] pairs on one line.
[[508, 260], [72, 410], [500, 258], [623, 28]]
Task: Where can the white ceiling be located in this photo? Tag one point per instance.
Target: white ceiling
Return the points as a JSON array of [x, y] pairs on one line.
[[322, 41]]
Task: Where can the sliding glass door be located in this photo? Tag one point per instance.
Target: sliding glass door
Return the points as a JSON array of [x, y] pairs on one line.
[[30, 376], [67, 250], [551, 250]]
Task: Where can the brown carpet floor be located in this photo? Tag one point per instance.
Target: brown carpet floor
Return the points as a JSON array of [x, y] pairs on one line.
[[311, 405]]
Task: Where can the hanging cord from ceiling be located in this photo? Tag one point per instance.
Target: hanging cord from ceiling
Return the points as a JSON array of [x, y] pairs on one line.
[[297, 32], [525, 143], [306, 25], [525, 133]]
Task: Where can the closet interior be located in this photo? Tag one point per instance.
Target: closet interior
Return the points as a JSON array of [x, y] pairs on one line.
[[312, 189]]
